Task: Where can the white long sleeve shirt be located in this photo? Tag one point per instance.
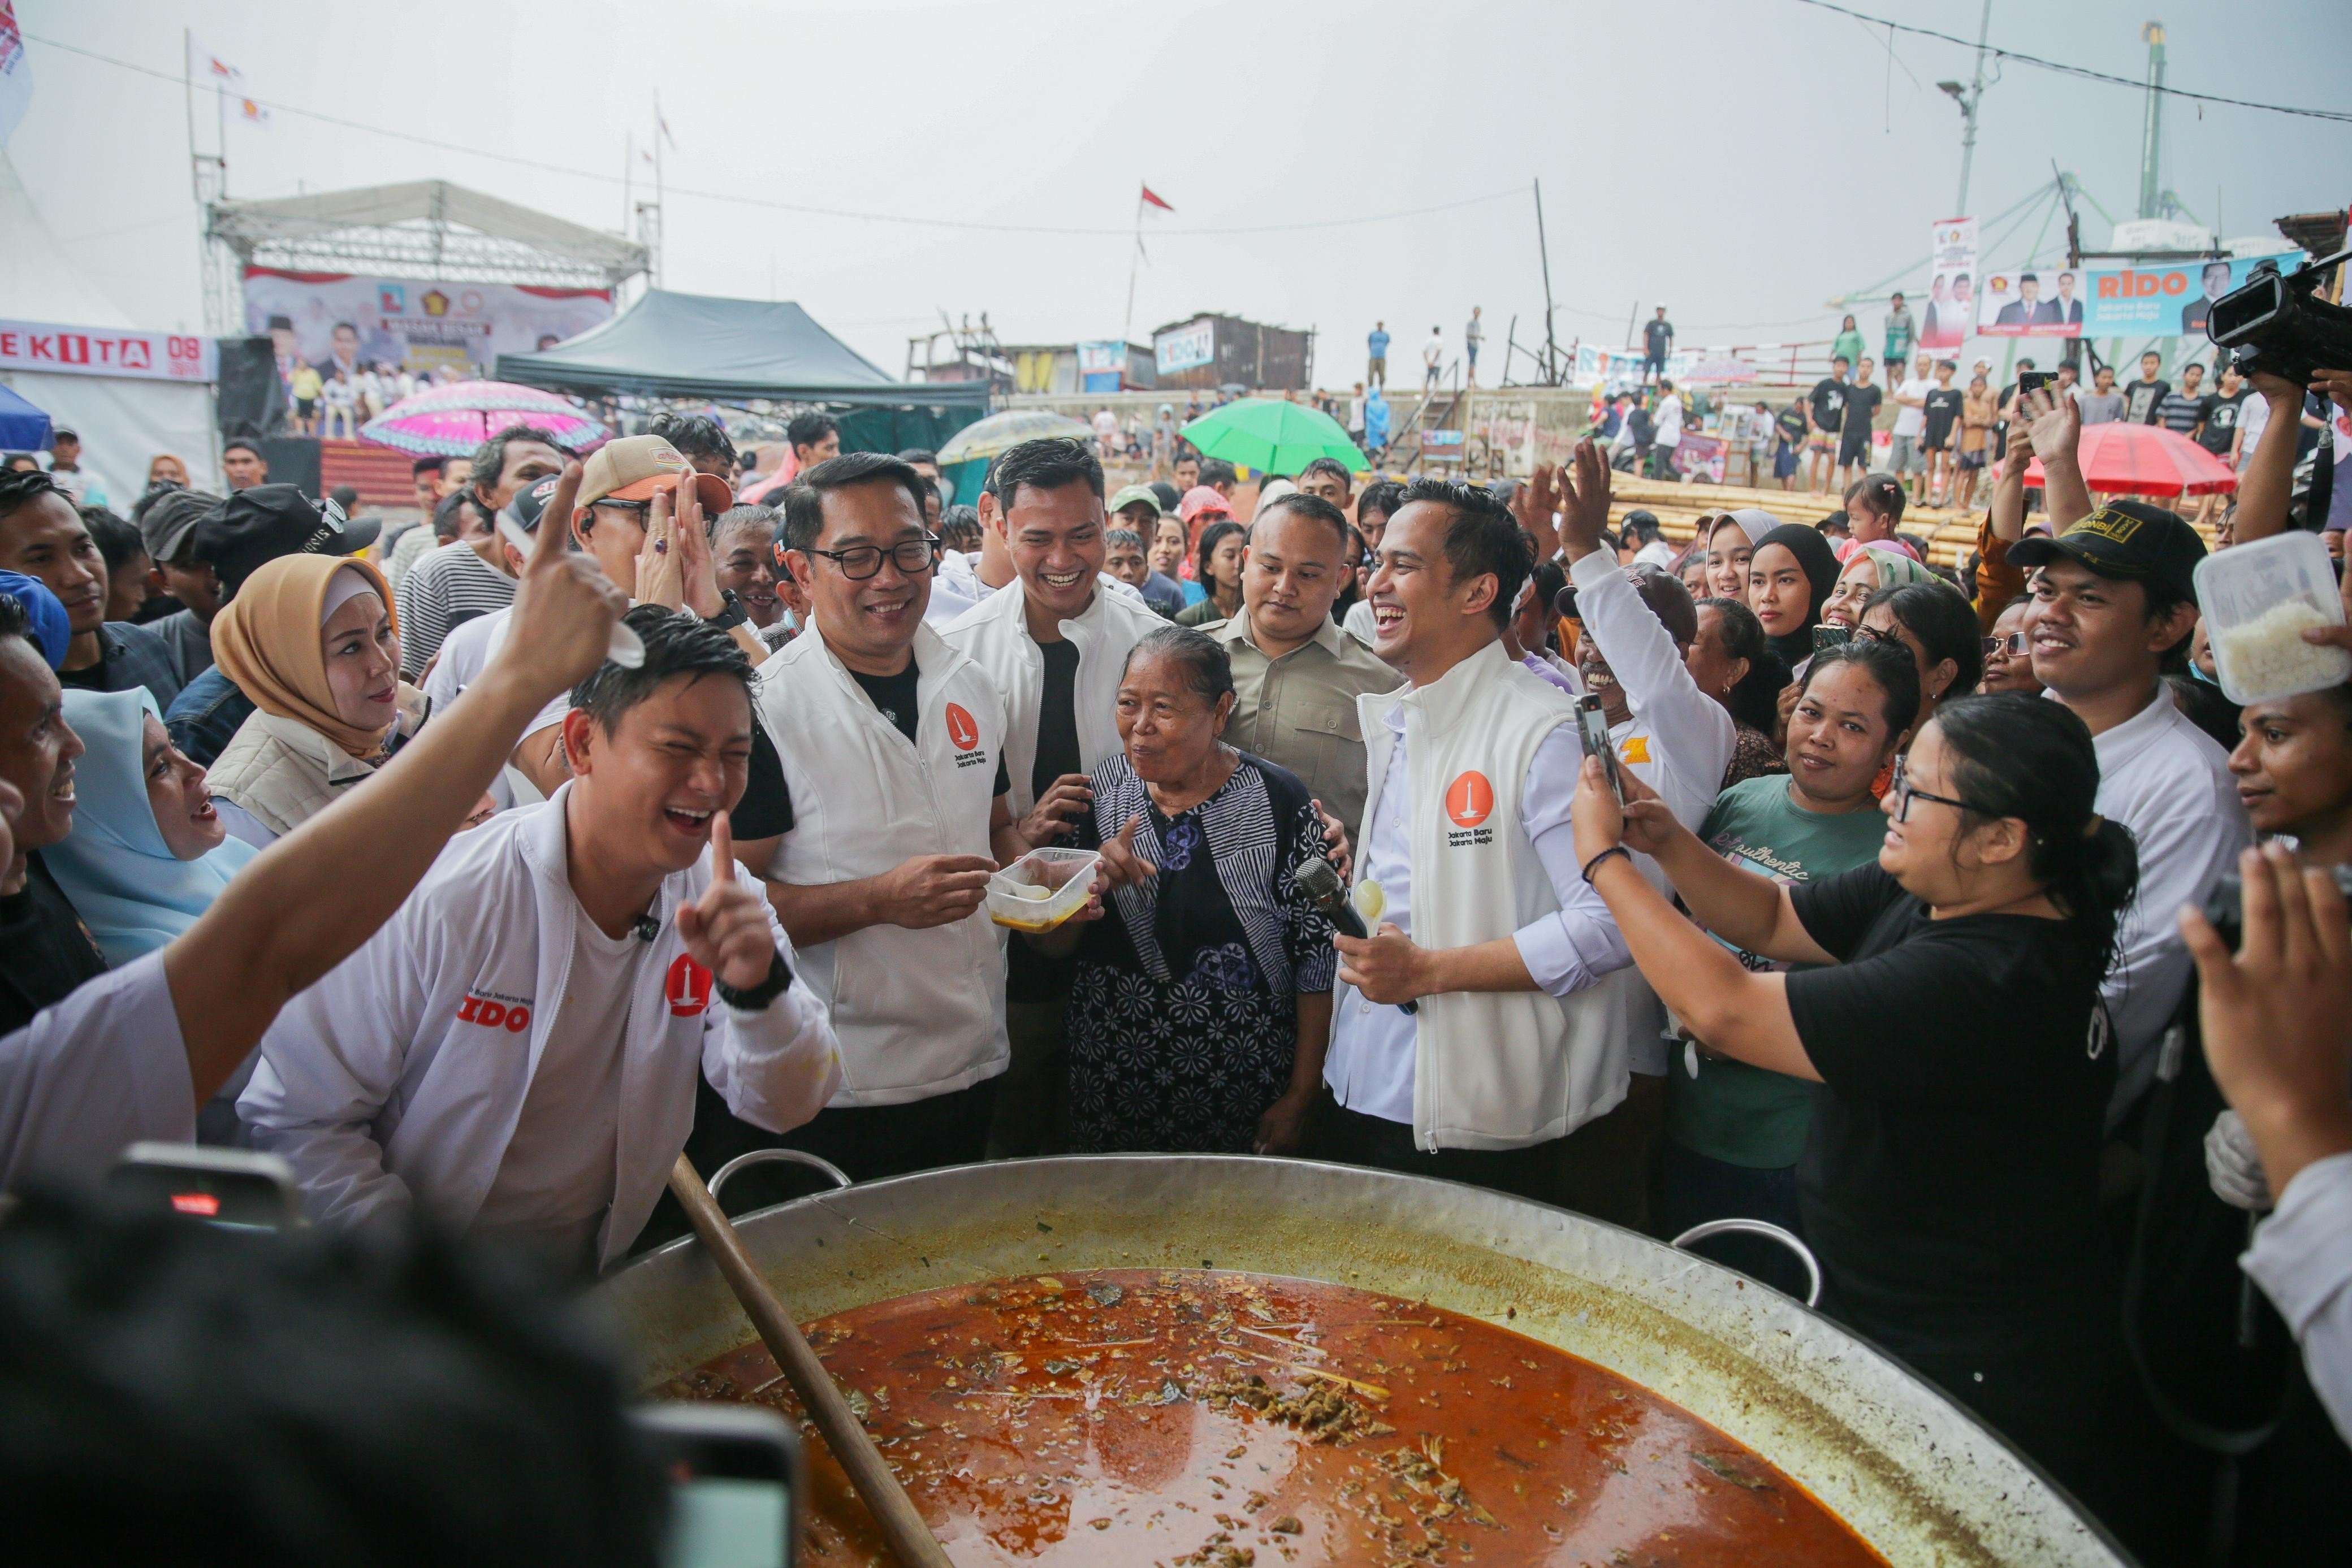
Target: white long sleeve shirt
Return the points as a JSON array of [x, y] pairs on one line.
[[1370, 1066], [98, 1071], [2301, 1258]]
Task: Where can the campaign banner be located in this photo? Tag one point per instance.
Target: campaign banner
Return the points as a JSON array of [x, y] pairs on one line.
[[330, 318], [1950, 310], [1186, 348], [1702, 458], [1596, 366], [108, 351], [2166, 299], [2036, 302]]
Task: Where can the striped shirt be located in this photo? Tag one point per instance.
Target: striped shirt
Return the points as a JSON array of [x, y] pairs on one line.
[[450, 587]]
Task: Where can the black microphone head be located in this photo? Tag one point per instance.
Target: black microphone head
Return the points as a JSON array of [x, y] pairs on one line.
[[646, 928], [1318, 880]]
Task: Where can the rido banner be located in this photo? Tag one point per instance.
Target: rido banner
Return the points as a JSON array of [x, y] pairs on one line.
[[2163, 300], [327, 318]]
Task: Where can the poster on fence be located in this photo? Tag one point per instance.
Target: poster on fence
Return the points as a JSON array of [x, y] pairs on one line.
[[1952, 284], [1702, 458]]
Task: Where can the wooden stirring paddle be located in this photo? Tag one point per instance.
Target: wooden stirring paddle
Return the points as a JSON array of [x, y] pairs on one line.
[[903, 1530]]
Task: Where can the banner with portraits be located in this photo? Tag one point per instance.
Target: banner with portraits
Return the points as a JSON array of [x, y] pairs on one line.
[[1950, 311], [329, 319], [2165, 299]]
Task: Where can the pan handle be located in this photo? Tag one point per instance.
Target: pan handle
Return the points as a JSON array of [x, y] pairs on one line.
[[784, 1157], [1743, 1228]]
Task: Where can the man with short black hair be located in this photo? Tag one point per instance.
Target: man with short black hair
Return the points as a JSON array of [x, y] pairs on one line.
[[701, 440], [438, 1071], [1221, 476], [1379, 503], [169, 526], [45, 950], [1825, 409], [1328, 478], [43, 536], [1657, 342], [1489, 924], [814, 438], [1054, 641], [66, 470], [2188, 406], [1862, 402], [242, 465], [2144, 397], [457, 582]]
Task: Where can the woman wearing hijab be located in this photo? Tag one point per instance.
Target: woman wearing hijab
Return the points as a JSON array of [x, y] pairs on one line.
[[1730, 544], [314, 642], [148, 852], [1789, 577], [1871, 568]]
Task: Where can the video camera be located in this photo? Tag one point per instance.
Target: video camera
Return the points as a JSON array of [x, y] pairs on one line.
[[2226, 906], [2280, 325]]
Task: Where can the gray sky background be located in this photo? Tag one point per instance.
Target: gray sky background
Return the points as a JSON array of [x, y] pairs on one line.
[[1743, 162]]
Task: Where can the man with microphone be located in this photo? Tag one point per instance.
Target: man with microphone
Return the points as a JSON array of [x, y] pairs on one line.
[[1483, 916]]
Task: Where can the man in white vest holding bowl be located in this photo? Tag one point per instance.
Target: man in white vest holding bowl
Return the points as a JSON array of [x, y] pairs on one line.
[[1484, 917]]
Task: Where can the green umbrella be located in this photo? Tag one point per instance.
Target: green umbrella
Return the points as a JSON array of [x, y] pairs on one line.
[[1273, 436]]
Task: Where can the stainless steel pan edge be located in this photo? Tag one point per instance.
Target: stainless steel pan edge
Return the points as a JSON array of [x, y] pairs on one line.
[[1907, 1468]]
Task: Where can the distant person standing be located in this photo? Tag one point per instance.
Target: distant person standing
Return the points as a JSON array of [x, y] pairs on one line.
[[1375, 346], [2142, 397], [1669, 430], [1432, 357], [2102, 404], [1107, 432], [1657, 342], [1376, 421], [1474, 333], [1901, 335]]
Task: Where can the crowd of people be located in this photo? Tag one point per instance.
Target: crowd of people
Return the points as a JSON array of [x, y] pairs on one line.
[[1860, 913]]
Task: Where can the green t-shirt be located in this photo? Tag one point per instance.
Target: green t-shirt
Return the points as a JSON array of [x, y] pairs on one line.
[[1731, 1112]]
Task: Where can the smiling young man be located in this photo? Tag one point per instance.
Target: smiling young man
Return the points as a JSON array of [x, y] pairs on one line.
[[1296, 675], [1055, 641], [1488, 924], [893, 747], [43, 536], [2114, 604], [45, 950], [516, 1053]]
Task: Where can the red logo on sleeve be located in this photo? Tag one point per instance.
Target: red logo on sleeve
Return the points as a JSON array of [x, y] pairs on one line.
[[962, 729], [1468, 799], [687, 986]]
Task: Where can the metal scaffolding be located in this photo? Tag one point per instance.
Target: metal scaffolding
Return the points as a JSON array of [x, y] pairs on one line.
[[429, 229]]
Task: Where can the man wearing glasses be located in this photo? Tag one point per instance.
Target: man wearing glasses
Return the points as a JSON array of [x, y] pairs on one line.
[[893, 745]]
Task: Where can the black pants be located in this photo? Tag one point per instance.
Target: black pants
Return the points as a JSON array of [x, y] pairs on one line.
[[1350, 1137], [868, 1142]]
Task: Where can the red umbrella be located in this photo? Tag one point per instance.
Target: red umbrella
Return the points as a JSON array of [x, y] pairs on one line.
[[2118, 458]]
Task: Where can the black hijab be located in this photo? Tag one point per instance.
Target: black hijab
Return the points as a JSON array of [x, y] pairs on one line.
[[1820, 564]]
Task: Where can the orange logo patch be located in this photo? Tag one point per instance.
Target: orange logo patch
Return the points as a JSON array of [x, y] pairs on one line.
[[1469, 800], [962, 729]]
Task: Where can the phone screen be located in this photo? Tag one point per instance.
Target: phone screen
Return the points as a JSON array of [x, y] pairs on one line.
[[2034, 381], [1592, 728], [725, 1521], [734, 1484], [1831, 636]]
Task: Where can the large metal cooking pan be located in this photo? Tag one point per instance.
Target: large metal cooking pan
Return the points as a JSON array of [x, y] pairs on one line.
[[1905, 1467]]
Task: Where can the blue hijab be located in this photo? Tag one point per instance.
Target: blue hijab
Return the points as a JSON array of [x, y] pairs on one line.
[[133, 892], [50, 630]]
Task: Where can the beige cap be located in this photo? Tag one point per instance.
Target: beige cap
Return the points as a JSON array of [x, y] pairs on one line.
[[635, 467]]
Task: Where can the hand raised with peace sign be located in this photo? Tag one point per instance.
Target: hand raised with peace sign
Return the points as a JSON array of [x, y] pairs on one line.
[[726, 929]]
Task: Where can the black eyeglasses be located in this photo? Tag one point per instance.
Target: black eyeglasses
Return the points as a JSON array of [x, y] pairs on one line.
[[859, 562], [639, 508], [1903, 794]]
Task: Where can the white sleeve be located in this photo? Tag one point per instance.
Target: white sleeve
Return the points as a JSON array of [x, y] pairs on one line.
[[2301, 1258], [775, 1068], [1569, 950], [101, 1069], [328, 1067], [1694, 733]]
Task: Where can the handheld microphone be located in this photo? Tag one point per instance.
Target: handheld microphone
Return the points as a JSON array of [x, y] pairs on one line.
[[1320, 883]]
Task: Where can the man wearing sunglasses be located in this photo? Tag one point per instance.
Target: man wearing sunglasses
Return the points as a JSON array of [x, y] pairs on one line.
[[893, 743]]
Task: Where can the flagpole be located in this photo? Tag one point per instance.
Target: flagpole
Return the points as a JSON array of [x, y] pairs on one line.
[[1127, 329], [628, 170], [661, 214], [188, 91], [220, 110]]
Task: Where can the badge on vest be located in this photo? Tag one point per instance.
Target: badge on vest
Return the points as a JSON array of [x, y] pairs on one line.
[[963, 733], [490, 1010], [687, 985], [1469, 801]]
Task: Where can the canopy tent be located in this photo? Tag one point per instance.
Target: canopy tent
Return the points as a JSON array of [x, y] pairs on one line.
[[698, 346], [23, 427]]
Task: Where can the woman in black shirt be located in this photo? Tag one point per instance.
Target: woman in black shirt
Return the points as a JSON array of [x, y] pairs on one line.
[[1949, 1185]]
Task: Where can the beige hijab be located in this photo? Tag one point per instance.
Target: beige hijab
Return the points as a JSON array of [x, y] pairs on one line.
[[267, 641]]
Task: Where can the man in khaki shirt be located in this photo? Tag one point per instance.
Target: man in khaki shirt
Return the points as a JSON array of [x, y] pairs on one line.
[[1296, 674]]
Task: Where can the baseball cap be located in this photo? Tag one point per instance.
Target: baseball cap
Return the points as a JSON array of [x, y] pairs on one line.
[[2128, 539], [635, 467], [172, 520], [529, 504], [1133, 494], [257, 526]]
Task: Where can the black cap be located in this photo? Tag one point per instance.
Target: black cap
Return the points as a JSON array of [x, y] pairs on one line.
[[2131, 540], [259, 524], [529, 504]]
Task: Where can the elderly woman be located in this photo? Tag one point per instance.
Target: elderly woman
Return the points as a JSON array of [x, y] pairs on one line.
[[148, 852], [1218, 562], [1867, 570], [1202, 1000], [313, 640]]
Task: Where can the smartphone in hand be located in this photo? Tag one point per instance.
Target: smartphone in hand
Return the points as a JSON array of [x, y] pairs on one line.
[[1592, 728], [735, 1484], [1831, 636]]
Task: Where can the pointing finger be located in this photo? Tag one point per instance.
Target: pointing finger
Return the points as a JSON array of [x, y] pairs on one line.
[[555, 520], [722, 851]]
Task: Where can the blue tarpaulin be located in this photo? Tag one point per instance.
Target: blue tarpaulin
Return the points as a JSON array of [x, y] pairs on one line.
[[23, 427]]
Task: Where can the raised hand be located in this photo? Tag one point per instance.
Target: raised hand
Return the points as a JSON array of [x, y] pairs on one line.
[[2057, 425], [690, 543], [564, 607], [933, 890], [661, 576], [1533, 504], [726, 929], [1123, 865], [1585, 501]]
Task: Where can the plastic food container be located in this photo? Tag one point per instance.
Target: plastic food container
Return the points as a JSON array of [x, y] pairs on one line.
[[1042, 889], [2257, 599]]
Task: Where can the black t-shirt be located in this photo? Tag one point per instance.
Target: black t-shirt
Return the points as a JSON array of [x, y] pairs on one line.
[[2142, 399], [1657, 337], [1942, 411], [1860, 408], [45, 952], [894, 697], [2221, 421], [766, 809], [1951, 1182], [1829, 402], [1029, 975], [1790, 422]]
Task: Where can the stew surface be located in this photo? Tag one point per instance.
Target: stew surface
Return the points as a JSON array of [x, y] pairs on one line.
[[1200, 1419]]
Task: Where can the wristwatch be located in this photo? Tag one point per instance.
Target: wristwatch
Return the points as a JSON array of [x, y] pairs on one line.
[[729, 617], [756, 999]]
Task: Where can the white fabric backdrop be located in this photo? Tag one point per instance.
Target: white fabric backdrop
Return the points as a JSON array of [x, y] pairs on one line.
[[123, 422]]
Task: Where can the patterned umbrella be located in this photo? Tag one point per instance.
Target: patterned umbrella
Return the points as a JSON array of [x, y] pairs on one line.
[[451, 420], [1000, 433], [1273, 436], [2119, 458]]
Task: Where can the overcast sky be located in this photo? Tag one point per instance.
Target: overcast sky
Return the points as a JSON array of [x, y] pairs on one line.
[[1744, 163]]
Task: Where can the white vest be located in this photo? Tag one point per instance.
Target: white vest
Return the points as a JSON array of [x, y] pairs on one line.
[[1491, 1070], [995, 632], [918, 1013]]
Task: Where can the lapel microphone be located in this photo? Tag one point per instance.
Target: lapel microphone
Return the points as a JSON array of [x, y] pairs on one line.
[[1320, 883], [646, 927]]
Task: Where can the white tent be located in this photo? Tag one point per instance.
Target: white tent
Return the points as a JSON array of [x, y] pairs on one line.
[[123, 421]]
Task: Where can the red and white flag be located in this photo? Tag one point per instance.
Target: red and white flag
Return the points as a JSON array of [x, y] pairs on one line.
[[205, 66], [1152, 199]]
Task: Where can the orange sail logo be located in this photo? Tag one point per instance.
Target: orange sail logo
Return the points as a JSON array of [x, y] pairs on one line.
[[1469, 800]]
